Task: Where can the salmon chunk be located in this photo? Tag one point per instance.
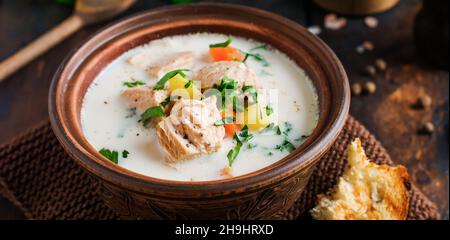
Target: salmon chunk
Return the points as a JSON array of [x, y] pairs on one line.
[[143, 98], [173, 143], [189, 130], [171, 62], [213, 73]]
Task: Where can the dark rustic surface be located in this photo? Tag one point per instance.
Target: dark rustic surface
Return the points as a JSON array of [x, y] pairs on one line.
[[387, 113]]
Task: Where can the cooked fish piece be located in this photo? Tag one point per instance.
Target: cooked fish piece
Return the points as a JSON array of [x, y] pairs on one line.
[[197, 119], [144, 97], [171, 62], [173, 142], [191, 123], [213, 73], [366, 191]]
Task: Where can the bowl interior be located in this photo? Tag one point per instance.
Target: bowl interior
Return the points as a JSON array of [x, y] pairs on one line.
[[311, 54]]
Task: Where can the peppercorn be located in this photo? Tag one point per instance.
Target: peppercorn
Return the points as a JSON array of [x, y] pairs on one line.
[[427, 128], [356, 89], [423, 102], [381, 65], [371, 70], [370, 87]]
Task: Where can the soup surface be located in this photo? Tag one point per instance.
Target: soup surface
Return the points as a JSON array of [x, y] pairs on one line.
[[290, 101]]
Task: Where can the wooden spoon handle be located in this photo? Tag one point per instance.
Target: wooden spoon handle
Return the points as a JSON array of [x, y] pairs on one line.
[[39, 46]]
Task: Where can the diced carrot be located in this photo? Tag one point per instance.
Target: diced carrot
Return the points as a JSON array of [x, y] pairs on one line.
[[231, 128], [226, 54]]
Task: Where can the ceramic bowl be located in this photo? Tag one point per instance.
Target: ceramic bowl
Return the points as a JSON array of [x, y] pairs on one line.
[[263, 194]]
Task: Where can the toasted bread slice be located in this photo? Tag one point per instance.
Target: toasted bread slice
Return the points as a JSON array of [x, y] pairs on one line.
[[366, 191]]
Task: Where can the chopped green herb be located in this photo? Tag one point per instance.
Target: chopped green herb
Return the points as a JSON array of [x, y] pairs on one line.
[[269, 110], [226, 83], [133, 84], [125, 153], [188, 84], [223, 44], [151, 112], [232, 154], [270, 153], [251, 90], [257, 57], [286, 145], [271, 129], [287, 128], [165, 102], [271, 126], [225, 121], [113, 156], [162, 82], [262, 46], [252, 145], [242, 138], [301, 138]]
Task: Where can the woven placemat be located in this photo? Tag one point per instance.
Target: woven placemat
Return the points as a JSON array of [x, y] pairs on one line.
[[40, 178]]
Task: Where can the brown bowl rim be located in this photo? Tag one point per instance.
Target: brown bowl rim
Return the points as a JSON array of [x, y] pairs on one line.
[[300, 158]]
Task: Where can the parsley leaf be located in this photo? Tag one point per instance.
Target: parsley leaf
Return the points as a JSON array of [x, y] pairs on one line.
[[162, 82], [133, 84], [125, 153], [286, 145], [287, 128], [188, 84], [225, 121], [301, 138], [262, 46], [165, 102], [228, 89], [251, 90], [242, 138], [113, 156], [271, 129], [151, 112], [226, 83], [252, 145], [223, 44], [269, 110], [232, 154], [257, 57]]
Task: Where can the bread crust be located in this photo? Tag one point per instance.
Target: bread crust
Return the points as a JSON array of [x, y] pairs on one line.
[[366, 191]]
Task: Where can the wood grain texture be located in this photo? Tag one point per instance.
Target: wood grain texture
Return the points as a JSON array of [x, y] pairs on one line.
[[39, 46], [23, 96]]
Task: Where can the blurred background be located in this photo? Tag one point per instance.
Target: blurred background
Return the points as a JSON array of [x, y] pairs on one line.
[[395, 54]]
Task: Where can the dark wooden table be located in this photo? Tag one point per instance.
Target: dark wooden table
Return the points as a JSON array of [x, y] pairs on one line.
[[387, 113]]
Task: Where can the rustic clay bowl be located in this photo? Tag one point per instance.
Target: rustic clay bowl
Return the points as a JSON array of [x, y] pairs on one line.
[[258, 195]]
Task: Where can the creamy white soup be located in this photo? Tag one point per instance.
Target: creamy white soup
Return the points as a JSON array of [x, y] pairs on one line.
[[128, 115]]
